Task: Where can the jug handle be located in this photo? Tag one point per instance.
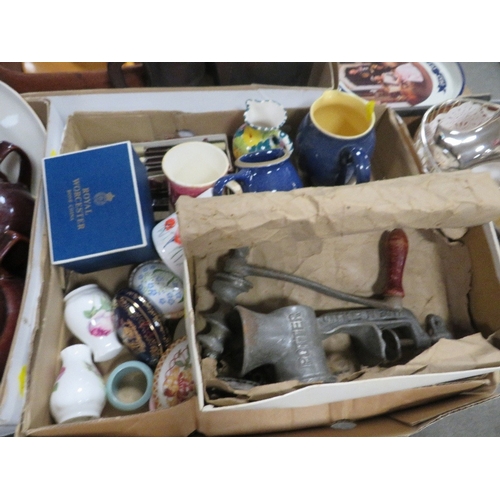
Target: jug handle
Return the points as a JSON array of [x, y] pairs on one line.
[[230, 181], [24, 176], [354, 158], [7, 240]]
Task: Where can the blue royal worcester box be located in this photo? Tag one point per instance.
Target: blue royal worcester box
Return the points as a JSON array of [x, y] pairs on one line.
[[99, 208]]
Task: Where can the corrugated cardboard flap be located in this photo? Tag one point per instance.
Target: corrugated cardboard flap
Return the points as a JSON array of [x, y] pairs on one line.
[[179, 421]]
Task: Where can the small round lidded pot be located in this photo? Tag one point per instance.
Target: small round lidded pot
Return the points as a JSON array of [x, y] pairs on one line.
[[140, 327], [163, 289]]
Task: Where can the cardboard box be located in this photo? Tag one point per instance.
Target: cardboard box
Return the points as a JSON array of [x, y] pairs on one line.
[[54, 108], [52, 337], [474, 204], [61, 105], [99, 208], [343, 252]]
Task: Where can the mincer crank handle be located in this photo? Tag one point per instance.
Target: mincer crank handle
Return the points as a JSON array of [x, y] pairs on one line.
[[397, 251]]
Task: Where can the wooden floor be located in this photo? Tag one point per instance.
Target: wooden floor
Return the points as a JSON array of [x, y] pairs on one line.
[[54, 67]]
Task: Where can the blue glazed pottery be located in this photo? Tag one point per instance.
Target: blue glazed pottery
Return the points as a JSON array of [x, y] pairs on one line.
[[269, 170], [336, 139], [139, 326]]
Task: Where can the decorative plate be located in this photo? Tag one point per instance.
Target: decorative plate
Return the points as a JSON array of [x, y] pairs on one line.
[[20, 125], [403, 84], [173, 379]]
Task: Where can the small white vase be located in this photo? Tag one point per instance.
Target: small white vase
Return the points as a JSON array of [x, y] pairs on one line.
[[89, 316], [79, 391]]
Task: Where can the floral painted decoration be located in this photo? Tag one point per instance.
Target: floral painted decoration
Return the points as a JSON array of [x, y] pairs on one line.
[[101, 319]]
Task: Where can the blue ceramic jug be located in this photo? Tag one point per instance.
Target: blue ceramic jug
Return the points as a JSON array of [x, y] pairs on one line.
[[267, 170], [336, 139]]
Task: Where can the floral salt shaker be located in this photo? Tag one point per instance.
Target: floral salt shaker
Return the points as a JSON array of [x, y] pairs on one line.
[[79, 392], [89, 316], [262, 128]]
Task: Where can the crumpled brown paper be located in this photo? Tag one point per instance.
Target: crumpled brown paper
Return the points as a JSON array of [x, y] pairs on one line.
[[446, 355], [448, 200], [471, 352]]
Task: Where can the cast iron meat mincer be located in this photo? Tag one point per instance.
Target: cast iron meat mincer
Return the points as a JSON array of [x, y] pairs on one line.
[[380, 331]]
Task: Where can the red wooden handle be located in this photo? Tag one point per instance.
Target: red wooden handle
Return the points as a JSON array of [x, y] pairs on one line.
[[397, 250]]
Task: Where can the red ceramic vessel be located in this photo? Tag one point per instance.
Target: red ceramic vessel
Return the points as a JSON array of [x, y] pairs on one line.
[[16, 214], [11, 293], [16, 201]]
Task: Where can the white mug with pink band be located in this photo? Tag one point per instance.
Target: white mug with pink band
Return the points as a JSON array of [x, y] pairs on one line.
[[191, 168]]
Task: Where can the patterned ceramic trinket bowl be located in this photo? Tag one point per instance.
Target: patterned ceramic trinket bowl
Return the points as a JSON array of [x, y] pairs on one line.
[[140, 327], [173, 379], [160, 286]]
